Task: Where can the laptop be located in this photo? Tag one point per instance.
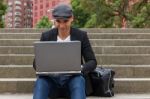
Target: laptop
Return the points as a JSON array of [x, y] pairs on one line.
[[54, 57]]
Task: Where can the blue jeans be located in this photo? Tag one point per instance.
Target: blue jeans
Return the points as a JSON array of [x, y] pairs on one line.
[[46, 86]]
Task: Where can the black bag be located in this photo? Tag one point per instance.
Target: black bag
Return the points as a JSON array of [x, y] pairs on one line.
[[102, 82]]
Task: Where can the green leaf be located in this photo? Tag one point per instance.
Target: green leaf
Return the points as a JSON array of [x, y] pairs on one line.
[[44, 23]]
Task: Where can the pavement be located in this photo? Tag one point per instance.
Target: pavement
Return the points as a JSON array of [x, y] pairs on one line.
[[117, 96]]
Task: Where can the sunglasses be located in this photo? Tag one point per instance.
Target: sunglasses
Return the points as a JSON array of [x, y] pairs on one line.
[[62, 21]]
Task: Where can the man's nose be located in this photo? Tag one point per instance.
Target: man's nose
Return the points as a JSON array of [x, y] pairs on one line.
[[61, 24]]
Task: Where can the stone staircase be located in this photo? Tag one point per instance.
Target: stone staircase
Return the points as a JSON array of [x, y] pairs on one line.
[[127, 51]]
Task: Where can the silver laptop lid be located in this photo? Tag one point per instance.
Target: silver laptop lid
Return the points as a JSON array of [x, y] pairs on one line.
[[58, 57]]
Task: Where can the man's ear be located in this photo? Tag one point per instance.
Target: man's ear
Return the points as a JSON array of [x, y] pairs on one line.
[[72, 19]]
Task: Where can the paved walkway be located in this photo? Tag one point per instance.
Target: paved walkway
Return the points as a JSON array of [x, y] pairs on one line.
[[117, 96]]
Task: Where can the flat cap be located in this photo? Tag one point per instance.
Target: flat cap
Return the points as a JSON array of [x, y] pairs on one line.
[[62, 11]]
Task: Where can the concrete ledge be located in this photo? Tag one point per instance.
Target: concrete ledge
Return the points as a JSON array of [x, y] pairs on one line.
[[16, 85], [117, 96], [20, 35], [119, 35], [16, 50], [120, 42], [90, 35], [94, 42], [90, 30], [16, 59], [17, 42], [122, 71], [123, 59], [122, 85], [17, 71], [108, 59], [97, 50]]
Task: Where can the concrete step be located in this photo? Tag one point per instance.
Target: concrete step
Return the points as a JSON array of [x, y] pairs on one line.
[[14, 85], [17, 71], [121, 49], [17, 42], [20, 35], [120, 42], [117, 96], [16, 50], [96, 49], [122, 85], [121, 71], [94, 42], [119, 35], [89, 30], [109, 59], [90, 35], [123, 59], [22, 30], [116, 30], [130, 71], [30, 96], [16, 59]]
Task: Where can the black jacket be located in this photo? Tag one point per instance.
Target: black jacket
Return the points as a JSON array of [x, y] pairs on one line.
[[86, 50]]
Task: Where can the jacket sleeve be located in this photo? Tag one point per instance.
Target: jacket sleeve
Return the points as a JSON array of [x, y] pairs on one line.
[[88, 55]]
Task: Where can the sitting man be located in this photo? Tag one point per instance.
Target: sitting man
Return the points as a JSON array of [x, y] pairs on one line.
[[74, 84]]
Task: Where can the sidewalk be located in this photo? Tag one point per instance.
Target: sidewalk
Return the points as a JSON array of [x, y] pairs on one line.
[[117, 96]]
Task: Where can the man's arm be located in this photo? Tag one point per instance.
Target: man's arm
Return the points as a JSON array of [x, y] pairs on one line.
[[88, 55]]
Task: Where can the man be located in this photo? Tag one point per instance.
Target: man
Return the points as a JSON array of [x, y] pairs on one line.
[[45, 86]]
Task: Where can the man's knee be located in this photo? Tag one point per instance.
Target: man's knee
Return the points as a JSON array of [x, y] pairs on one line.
[[41, 82], [77, 82]]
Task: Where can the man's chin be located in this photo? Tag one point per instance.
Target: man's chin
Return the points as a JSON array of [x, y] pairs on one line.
[[63, 30]]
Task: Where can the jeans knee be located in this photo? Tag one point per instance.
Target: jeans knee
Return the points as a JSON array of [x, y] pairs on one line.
[[77, 82], [41, 89], [81, 80], [41, 82], [77, 88]]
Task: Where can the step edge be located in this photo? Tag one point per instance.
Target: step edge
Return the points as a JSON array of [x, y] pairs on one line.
[[116, 79]]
